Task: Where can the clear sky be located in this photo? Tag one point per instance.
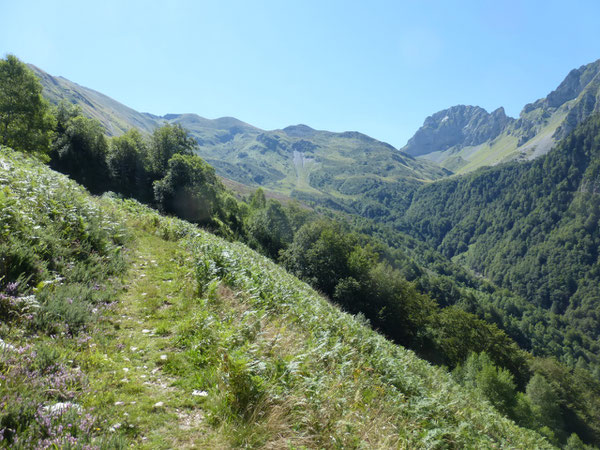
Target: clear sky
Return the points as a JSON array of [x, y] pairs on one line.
[[379, 67]]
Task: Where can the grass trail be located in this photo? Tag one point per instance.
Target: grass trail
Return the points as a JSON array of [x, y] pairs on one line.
[[128, 381]]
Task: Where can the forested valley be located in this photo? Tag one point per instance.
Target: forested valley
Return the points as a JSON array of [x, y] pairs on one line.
[[492, 276]]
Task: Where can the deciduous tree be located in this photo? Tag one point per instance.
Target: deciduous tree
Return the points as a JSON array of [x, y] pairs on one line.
[[26, 122]]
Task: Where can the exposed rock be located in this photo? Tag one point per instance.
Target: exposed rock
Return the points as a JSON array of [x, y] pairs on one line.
[[457, 126], [450, 130]]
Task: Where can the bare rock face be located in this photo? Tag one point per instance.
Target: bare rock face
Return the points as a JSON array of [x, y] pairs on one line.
[[458, 126], [574, 84]]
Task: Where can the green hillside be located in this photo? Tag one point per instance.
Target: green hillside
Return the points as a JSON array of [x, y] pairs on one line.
[[271, 362], [192, 340], [325, 167], [531, 228]]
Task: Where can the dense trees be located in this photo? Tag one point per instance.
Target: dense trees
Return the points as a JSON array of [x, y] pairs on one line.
[[80, 149], [532, 228], [189, 189], [25, 119], [160, 169]]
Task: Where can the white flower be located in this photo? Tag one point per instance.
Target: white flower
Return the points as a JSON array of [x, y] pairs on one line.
[[61, 407], [5, 346]]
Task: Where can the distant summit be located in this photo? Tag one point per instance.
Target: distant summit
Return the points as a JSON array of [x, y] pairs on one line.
[[457, 126], [298, 161], [299, 130], [463, 138]]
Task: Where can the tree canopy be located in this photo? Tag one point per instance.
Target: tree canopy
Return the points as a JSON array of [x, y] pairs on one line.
[[25, 120]]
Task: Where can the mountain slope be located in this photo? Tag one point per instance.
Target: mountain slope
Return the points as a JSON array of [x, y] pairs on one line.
[[530, 227], [298, 161], [463, 138], [115, 117], [239, 354]]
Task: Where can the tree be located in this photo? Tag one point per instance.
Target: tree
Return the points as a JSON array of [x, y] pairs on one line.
[[575, 443], [190, 190], [270, 228], [127, 165], [495, 383], [258, 200], [167, 141], [319, 254], [79, 149], [545, 403], [25, 120]]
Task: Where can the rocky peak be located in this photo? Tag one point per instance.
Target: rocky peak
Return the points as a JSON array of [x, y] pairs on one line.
[[458, 126], [571, 87]]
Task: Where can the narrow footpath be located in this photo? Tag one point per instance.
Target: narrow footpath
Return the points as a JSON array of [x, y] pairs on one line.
[[129, 380]]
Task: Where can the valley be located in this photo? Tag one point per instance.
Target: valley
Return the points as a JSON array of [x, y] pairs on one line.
[[299, 279]]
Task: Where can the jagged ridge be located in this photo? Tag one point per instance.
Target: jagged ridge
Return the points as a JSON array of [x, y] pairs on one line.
[[464, 138]]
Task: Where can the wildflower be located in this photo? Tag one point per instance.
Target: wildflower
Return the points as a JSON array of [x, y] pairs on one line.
[[11, 288]]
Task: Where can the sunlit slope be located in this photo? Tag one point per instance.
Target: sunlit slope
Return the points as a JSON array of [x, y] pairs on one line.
[[272, 362], [297, 161], [505, 147], [115, 117]]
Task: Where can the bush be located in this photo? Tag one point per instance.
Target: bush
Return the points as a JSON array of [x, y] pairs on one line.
[[66, 308]]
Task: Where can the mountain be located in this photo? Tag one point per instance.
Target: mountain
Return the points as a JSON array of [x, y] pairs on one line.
[[252, 341], [115, 117], [459, 125], [298, 161], [463, 138], [532, 228]]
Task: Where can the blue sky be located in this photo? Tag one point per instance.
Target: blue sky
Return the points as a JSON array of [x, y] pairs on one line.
[[379, 67]]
